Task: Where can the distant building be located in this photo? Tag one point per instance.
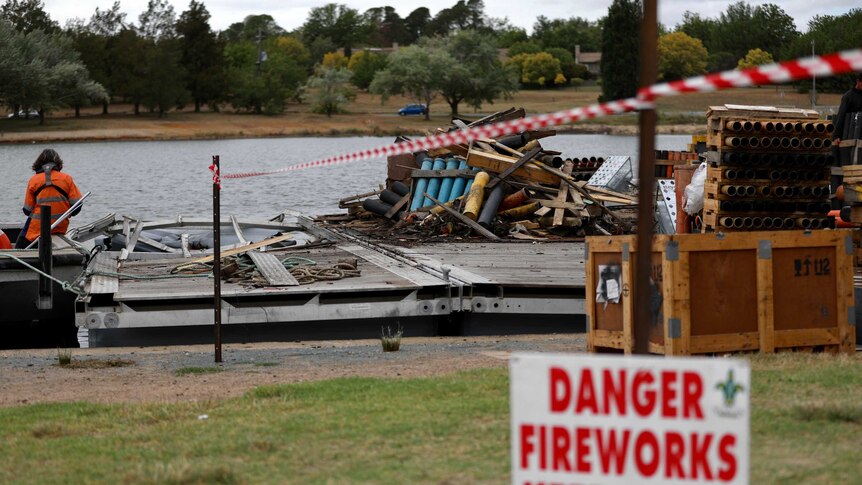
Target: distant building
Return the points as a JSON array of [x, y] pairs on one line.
[[592, 60]]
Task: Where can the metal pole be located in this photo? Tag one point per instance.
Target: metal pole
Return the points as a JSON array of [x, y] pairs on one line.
[[217, 259], [646, 176], [46, 259], [63, 217]]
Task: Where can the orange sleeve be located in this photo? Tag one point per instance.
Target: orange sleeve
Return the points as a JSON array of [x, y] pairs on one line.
[[29, 198], [74, 193]]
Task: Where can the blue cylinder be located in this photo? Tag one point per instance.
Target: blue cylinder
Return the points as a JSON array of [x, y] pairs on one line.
[[459, 184], [421, 186], [446, 185], [434, 184]]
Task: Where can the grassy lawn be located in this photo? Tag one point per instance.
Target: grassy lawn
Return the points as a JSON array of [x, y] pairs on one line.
[[806, 428]]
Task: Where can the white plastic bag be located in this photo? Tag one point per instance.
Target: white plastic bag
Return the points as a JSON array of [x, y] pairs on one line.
[[694, 191]]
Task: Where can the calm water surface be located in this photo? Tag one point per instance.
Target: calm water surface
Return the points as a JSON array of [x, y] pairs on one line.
[[160, 179]]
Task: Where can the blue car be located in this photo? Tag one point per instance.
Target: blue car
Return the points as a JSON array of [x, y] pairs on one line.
[[413, 109]]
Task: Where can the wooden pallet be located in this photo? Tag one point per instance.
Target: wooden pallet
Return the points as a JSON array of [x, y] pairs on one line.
[[852, 174], [728, 292]]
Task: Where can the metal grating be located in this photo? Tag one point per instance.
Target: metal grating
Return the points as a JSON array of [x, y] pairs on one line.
[[615, 174], [666, 206]]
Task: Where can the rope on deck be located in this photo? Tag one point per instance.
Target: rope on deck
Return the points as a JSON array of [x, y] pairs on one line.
[[241, 268], [65, 285]]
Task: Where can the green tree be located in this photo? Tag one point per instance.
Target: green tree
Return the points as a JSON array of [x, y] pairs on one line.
[[42, 71], [202, 55], [742, 27], [158, 21], [330, 90], [252, 26], [567, 33], [335, 60], [476, 76], [464, 15], [27, 16], [163, 84], [755, 57], [383, 27], [417, 23], [364, 65], [128, 63], [93, 52], [340, 23], [108, 22], [509, 35], [570, 69], [280, 79], [830, 33], [413, 71], [524, 47], [620, 50], [680, 56], [540, 69]]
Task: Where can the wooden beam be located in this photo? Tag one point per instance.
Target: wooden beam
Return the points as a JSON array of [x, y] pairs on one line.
[[562, 195], [580, 189], [244, 249], [497, 163], [515, 166]]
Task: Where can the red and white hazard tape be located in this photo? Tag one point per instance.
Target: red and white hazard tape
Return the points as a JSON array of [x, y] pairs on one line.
[[466, 136], [804, 68], [821, 66]]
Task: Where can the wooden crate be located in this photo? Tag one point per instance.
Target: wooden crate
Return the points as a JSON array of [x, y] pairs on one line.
[[716, 293]]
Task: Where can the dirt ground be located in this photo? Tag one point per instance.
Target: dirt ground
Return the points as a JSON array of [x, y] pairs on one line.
[[171, 374]]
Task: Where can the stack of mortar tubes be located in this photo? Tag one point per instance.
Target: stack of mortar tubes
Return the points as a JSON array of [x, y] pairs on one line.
[[803, 142]]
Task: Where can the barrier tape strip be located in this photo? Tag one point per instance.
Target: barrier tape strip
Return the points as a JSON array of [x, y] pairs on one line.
[[823, 66], [216, 177]]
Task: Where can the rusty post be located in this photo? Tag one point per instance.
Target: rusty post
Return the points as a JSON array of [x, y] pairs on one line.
[[646, 176], [45, 300], [217, 258]]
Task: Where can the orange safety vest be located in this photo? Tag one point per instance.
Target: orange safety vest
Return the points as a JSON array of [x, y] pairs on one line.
[[4, 241], [52, 188]]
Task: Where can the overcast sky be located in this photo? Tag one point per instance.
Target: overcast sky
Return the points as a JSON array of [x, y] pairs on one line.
[[292, 13]]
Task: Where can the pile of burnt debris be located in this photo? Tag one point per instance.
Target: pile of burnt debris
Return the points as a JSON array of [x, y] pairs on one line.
[[505, 188]]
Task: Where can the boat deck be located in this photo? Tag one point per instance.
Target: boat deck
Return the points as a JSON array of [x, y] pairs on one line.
[[444, 280]]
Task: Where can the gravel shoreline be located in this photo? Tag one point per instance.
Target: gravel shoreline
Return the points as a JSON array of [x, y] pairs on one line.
[[187, 374]]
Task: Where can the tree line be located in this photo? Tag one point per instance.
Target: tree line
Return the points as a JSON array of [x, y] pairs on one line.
[[165, 60]]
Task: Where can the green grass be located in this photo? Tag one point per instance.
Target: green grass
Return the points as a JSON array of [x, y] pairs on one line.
[[806, 419], [806, 423], [186, 371]]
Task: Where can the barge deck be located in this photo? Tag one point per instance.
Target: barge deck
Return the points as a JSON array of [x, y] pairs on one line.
[[442, 288]]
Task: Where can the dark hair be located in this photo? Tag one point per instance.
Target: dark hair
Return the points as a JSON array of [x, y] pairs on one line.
[[48, 155], [859, 76]]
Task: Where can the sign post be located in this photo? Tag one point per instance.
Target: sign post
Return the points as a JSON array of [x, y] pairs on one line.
[[621, 420]]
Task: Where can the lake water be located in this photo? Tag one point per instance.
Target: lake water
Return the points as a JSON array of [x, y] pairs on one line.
[[159, 179]]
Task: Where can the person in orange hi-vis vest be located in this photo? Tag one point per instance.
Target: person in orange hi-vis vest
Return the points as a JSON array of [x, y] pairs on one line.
[[48, 186], [4, 241]]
